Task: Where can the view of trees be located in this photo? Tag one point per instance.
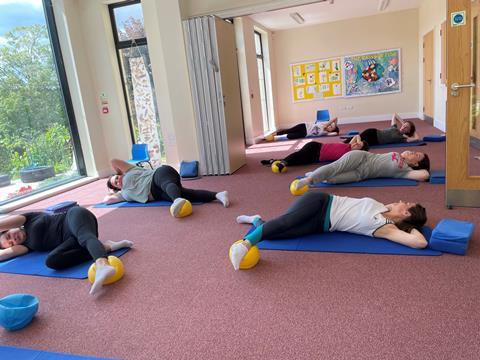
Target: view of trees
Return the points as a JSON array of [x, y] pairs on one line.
[[33, 126]]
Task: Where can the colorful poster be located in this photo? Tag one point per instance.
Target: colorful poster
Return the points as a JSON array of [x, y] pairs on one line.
[[372, 73], [319, 79]]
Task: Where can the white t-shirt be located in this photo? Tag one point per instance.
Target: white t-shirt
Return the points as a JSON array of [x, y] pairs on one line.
[[358, 216], [316, 129]]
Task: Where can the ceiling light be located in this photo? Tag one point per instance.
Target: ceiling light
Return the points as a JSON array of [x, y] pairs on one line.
[[383, 4], [297, 17]]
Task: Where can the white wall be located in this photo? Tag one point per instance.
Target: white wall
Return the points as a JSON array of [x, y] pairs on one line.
[[431, 15], [386, 31]]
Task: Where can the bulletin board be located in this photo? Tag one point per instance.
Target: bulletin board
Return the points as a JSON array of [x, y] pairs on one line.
[[315, 80]]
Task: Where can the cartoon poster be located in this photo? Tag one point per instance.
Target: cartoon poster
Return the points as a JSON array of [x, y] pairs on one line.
[[372, 73], [319, 79]]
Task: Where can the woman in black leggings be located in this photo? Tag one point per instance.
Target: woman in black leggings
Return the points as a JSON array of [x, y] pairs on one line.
[[71, 238], [317, 212], [133, 183]]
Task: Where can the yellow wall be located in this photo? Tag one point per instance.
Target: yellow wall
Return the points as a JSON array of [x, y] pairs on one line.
[[386, 31]]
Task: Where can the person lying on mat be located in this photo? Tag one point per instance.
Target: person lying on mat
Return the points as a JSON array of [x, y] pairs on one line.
[[71, 238], [327, 128], [314, 151], [317, 212], [133, 183], [359, 165], [399, 131]]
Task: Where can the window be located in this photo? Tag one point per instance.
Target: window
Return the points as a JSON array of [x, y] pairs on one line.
[[39, 143], [135, 67], [267, 121]]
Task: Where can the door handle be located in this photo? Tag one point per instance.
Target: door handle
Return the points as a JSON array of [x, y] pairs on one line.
[[456, 86]]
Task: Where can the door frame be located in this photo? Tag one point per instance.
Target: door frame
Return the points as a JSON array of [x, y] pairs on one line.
[[428, 58]]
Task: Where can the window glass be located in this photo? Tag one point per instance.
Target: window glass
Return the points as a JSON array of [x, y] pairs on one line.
[[129, 22]]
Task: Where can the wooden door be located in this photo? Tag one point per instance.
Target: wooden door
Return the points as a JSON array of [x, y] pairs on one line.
[[462, 189], [227, 54], [428, 75]]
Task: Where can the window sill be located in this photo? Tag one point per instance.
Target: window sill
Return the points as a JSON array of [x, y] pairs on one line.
[[45, 194]]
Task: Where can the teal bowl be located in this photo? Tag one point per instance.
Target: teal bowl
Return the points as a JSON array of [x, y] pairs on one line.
[[17, 310]]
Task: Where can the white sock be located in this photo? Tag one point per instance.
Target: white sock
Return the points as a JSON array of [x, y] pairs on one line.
[[302, 182], [101, 274], [247, 219], [223, 198], [115, 245], [280, 137], [238, 252]]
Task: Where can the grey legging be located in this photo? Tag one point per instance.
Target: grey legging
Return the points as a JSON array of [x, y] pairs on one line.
[[351, 167]]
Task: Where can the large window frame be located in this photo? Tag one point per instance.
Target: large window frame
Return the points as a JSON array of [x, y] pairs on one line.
[[125, 44], [260, 56], [62, 77]]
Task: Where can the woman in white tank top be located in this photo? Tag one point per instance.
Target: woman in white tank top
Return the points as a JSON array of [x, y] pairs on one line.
[[317, 212]]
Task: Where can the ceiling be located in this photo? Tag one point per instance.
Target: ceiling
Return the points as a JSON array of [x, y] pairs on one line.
[[323, 12]]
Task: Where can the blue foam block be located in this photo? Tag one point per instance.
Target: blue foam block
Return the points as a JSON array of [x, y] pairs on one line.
[[452, 236], [33, 263], [11, 352], [124, 204], [61, 207], [435, 138], [437, 177], [343, 242], [378, 182], [353, 132]]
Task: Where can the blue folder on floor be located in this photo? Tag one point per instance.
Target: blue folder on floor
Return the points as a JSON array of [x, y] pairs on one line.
[[33, 263], [16, 353], [136, 204], [378, 182], [343, 242]]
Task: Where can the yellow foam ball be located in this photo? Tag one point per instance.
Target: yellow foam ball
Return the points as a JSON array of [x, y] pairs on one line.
[[251, 258], [113, 261], [185, 210], [270, 137], [278, 167], [297, 192]]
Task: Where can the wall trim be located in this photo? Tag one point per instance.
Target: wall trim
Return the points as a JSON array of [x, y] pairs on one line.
[[373, 118]]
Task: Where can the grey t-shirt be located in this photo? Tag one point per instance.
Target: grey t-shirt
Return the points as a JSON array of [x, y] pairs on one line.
[[136, 185], [390, 136], [385, 165]]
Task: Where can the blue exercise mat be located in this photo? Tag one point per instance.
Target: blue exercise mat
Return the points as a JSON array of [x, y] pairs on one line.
[[136, 204], [437, 177], [33, 263], [378, 182], [381, 146], [435, 138], [344, 242], [16, 353]]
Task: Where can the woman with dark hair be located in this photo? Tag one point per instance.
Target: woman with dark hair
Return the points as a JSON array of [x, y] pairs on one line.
[[317, 212], [399, 131], [360, 165], [71, 238], [314, 151], [133, 183], [322, 128]]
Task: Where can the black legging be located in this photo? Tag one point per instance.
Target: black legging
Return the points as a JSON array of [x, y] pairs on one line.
[[80, 243], [297, 132], [309, 214], [166, 186], [370, 136], [308, 154]]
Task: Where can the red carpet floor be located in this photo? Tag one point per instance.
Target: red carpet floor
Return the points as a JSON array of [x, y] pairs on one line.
[[181, 299]]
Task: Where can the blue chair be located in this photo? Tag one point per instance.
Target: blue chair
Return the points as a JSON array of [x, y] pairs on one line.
[[140, 155], [322, 115]]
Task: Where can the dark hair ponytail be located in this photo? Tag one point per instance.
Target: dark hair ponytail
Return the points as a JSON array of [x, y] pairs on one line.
[[417, 218]]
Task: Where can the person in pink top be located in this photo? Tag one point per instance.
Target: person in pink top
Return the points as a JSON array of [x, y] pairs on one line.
[[313, 152]]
